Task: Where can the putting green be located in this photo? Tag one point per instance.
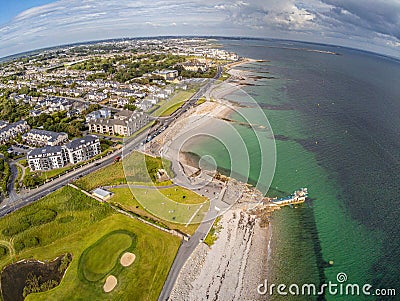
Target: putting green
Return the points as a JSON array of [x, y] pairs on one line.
[[101, 257]]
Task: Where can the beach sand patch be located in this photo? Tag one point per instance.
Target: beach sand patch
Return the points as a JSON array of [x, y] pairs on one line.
[[127, 259], [110, 284]]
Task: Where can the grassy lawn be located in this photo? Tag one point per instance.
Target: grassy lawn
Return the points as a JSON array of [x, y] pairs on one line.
[[201, 101], [53, 173], [173, 206], [124, 197], [142, 169], [168, 107], [110, 175], [68, 221], [19, 175], [172, 109], [137, 168], [225, 76]]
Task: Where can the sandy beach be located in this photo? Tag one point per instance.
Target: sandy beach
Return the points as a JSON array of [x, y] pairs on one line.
[[233, 267]]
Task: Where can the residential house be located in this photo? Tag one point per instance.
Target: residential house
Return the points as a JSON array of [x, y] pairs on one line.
[[13, 130], [102, 113], [37, 137]]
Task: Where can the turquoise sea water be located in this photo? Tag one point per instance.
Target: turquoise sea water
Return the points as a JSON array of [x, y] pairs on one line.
[[336, 120]]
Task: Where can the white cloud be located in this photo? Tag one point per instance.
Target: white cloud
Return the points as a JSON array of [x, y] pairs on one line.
[[370, 24]]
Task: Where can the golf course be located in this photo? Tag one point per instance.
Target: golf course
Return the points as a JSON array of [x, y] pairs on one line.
[[70, 222]]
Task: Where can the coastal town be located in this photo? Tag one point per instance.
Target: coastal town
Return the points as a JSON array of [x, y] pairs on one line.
[[67, 105], [99, 124]]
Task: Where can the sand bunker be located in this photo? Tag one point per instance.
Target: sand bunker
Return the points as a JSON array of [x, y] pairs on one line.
[[110, 284], [127, 259]]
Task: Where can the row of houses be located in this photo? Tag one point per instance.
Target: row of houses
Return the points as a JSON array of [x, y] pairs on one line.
[[124, 123], [42, 138], [52, 157], [11, 131]]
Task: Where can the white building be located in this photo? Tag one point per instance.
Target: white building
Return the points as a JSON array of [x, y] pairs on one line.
[[52, 157], [41, 138], [83, 149], [102, 194], [47, 158], [167, 74], [102, 113], [125, 123], [12, 130]]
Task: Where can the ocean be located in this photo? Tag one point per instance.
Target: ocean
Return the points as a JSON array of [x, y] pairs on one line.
[[336, 121]]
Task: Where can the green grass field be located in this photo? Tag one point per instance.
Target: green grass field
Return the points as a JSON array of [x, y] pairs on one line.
[[124, 197], [135, 168], [68, 221], [111, 175], [170, 106], [201, 101], [212, 236], [142, 169], [171, 109], [177, 205]]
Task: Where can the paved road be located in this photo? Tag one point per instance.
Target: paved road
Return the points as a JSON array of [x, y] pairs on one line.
[[16, 201], [140, 186], [184, 252]]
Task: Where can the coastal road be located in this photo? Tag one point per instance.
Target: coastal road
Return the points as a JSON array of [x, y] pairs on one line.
[[185, 250], [16, 201]]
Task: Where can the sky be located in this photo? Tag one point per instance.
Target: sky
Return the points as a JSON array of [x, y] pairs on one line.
[[372, 25]]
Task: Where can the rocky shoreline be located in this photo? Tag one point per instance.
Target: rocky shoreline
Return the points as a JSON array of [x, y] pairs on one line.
[[233, 267]]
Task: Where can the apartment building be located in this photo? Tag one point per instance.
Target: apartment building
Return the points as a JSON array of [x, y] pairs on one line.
[[52, 157]]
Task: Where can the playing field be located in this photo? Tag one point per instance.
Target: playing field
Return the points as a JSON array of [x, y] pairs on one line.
[[176, 204], [125, 199]]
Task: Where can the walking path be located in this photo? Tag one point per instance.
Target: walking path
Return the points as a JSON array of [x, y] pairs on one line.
[[139, 186]]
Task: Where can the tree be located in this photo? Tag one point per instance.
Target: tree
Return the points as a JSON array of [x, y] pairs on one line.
[[130, 107]]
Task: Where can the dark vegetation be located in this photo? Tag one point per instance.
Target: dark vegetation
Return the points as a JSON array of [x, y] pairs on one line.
[[20, 279], [5, 174], [58, 122]]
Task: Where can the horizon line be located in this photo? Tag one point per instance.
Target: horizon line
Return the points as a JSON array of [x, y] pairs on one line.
[[31, 52]]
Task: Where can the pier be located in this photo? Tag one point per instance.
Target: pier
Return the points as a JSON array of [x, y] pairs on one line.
[[297, 197]]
